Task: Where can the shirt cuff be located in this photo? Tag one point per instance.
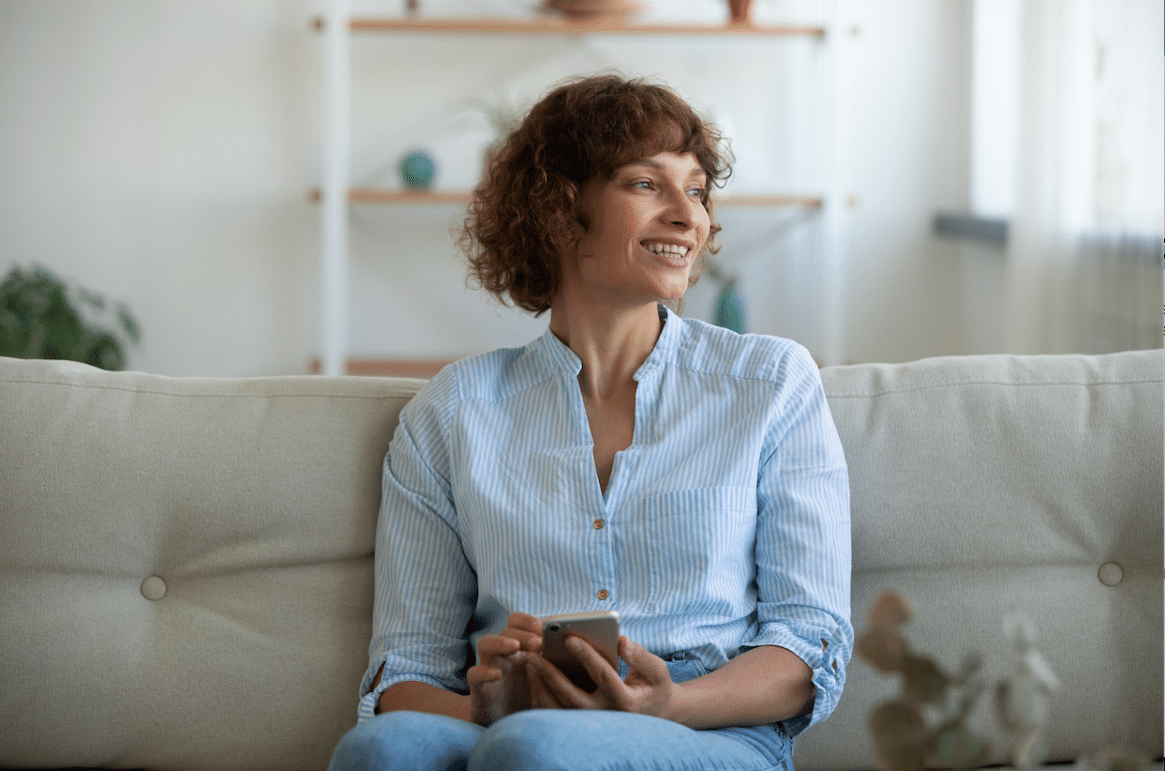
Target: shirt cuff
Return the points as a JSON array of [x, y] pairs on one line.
[[827, 665], [366, 709]]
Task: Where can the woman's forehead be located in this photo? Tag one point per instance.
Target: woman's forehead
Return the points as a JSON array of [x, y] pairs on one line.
[[652, 135], [671, 161]]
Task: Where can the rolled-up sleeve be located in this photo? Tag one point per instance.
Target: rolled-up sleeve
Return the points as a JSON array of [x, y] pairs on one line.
[[803, 552], [424, 586]]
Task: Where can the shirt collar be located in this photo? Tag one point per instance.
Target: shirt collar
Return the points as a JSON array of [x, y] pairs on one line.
[[665, 346], [559, 356], [556, 353]]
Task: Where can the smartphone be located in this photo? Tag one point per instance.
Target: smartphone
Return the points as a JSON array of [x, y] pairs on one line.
[[599, 628]]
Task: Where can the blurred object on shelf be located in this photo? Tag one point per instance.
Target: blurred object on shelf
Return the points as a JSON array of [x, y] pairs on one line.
[[730, 309], [417, 170], [740, 11], [593, 10]]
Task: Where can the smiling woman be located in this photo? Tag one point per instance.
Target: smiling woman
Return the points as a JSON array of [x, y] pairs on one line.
[[642, 231], [683, 476], [584, 131]]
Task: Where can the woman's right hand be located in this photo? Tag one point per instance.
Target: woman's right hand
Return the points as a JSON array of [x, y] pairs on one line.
[[498, 685]]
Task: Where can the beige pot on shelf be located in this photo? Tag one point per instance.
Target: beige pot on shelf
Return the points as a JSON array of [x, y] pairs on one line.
[[593, 10]]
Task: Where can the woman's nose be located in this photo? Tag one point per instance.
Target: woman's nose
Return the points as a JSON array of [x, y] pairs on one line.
[[682, 208]]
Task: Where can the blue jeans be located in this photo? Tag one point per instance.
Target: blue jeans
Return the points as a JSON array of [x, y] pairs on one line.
[[545, 740]]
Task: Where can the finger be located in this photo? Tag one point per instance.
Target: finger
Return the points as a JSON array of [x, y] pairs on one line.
[[525, 622], [558, 686], [639, 659], [496, 645], [526, 640], [526, 629], [516, 634], [479, 675], [540, 695], [596, 666]]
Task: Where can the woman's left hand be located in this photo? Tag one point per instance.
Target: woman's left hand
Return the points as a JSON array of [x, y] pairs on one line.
[[648, 689]]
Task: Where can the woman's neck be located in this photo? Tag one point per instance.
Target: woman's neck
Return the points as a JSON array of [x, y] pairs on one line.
[[612, 344]]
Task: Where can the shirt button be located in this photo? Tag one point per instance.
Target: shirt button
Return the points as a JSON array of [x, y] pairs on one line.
[[603, 594], [599, 524]]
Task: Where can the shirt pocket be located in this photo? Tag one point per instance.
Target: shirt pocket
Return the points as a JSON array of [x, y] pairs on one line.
[[692, 551]]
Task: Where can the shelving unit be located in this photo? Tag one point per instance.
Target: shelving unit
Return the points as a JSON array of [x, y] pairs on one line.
[[376, 195], [335, 195], [555, 26]]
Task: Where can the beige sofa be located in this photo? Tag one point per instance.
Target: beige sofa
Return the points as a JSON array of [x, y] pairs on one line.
[[185, 568]]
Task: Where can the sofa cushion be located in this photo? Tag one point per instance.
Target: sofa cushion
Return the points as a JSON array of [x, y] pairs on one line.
[[185, 572], [185, 568], [990, 484]]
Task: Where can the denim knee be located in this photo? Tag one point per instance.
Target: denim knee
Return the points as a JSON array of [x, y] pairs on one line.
[[360, 749], [405, 741], [524, 741]]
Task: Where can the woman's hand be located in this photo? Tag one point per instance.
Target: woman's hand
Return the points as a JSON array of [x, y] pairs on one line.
[[648, 689], [498, 684]]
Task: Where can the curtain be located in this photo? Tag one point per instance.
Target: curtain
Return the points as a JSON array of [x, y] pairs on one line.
[[1084, 271]]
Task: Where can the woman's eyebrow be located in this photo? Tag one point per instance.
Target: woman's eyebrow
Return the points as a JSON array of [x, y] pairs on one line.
[[696, 172]]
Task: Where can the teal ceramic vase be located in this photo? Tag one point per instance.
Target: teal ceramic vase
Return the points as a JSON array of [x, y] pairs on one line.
[[730, 309], [417, 170]]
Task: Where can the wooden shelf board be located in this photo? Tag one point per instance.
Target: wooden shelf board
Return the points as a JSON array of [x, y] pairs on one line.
[[419, 368], [807, 201], [371, 195], [380, 196], [555, 26]]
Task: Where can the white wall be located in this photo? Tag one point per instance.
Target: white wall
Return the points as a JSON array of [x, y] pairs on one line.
[[909, 156], [160, 152]]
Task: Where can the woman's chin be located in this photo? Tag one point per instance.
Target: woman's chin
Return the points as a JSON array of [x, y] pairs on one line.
[[672, 292]]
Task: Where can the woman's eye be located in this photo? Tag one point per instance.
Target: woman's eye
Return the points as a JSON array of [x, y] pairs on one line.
[[698, 192], [643, 184]]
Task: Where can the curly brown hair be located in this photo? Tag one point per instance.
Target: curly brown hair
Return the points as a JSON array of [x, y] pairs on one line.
[[522, 218]]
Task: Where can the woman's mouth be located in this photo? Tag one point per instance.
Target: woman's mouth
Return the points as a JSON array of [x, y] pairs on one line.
[[677, 252]]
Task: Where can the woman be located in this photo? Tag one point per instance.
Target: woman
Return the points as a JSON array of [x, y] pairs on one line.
[[686, 476]]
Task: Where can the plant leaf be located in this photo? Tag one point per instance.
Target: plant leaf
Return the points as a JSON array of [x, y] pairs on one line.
[[957, 747], [923, 681], [132, 329], [900, 737], [889, 610], [883, 648]]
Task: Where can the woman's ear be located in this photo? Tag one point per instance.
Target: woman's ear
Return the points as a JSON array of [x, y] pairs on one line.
[[578, 228], [579, 225], [580, 217]]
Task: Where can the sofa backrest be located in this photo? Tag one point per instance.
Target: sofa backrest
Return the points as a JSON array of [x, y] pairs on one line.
[[986, 485], [185, 572]]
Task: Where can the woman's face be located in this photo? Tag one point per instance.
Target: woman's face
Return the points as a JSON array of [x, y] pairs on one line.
[[644, 228]]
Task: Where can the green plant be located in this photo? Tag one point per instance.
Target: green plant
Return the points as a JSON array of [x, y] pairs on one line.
[[41, 317]]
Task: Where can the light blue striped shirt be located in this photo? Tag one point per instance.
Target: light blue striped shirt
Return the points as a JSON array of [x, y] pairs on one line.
[[724, 526]]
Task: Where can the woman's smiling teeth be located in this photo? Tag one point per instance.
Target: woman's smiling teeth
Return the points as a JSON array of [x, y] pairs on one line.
[[671, 250]]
